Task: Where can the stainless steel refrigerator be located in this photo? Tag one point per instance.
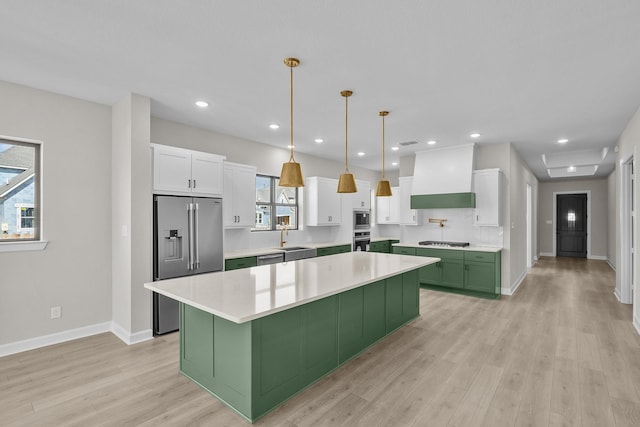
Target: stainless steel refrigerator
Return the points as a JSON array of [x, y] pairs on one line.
[[187, 239]]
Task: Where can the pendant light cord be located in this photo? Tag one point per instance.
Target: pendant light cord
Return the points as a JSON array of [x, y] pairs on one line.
[[291, 159], [383, 147], [346, 133]]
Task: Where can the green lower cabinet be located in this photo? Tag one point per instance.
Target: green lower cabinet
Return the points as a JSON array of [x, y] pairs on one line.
[[237, 263], [404, 250], [382, 246], [332, 250], [469, 272], [255, 366]]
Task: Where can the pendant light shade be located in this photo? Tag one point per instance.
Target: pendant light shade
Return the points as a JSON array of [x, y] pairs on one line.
[[291, 174], [384, 187], [347, 182]]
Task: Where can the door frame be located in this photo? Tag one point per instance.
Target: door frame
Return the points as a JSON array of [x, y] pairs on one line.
[[624, 265], [529, 221], [555, 218]]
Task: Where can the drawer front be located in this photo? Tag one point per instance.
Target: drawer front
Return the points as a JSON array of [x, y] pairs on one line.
[[480, 256], [440, 253], [237, 263], [325, 251], [404, 250], [342, 249]]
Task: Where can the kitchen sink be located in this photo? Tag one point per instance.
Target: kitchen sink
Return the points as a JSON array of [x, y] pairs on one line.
[[293, 253]]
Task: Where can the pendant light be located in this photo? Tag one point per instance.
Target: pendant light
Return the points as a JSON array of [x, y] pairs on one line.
[[384, 187], [347, 183], [291, 174]]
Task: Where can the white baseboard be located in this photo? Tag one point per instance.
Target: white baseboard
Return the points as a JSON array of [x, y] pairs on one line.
[[598, 257], [617, 295], [74, 334], [547, 254], [58, 337], [613, 267], [514, 287], [129, 338], [636, 324]]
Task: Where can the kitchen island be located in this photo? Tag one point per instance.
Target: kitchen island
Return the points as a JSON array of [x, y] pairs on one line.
[[257, 336]]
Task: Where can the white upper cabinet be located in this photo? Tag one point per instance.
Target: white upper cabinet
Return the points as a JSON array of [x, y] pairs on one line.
[[186, 172], [406, 215], [487, 184], [239, 198], [388, 208], [323, 205], [362, 199]]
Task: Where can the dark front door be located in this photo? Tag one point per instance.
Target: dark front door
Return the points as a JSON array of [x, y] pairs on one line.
[[571, 231]]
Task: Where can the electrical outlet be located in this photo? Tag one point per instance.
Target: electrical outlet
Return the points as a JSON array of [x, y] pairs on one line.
[[56, 312]]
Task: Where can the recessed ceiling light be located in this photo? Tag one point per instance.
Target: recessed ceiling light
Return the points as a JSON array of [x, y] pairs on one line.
[[202, 104], [395, 148], [563, 141], [571, 169], [319, 140], [475, 135], [274, 126], [360, 153], [394, 164], [432, 142]]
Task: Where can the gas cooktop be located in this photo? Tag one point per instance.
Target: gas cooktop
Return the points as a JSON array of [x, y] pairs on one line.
[[444, 244]]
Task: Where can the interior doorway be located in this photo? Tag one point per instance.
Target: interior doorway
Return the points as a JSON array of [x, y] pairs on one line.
[[571, 225]]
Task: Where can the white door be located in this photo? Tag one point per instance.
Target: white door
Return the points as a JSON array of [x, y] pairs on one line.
[[206, 174], [171, 170]]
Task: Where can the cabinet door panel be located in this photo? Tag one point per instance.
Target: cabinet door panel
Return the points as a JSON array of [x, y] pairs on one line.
[[480, 276], [206, 173], [430, 275], [394, 302], [171, 170], [410, 295], [351, 327], [452, 273]]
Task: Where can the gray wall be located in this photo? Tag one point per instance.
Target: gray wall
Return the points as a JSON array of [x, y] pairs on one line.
[[599, 213], [74, 271]]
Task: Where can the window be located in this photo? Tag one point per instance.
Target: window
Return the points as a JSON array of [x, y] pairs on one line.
[[276, 207], [19, 191]]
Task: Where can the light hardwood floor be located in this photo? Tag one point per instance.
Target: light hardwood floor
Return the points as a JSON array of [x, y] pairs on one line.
[[562, 351]]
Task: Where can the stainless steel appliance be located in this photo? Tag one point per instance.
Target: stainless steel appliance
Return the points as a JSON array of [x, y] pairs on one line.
[[270, 259], [361, 241], [361, 220], [187, 240], [444, 244]]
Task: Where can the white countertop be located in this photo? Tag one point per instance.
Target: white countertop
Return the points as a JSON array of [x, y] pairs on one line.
[[251, 293], [274, 250], [468, 248]]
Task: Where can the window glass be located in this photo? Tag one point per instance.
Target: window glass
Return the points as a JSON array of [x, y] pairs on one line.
[[19, 191], [272, 199]]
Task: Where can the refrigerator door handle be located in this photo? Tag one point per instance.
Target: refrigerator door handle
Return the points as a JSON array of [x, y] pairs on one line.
[[196, 219], [190, 232]]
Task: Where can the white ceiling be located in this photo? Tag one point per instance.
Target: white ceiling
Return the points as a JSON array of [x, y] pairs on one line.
[[526, 72]]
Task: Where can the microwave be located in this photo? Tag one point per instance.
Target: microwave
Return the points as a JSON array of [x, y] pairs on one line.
[[361, 220]]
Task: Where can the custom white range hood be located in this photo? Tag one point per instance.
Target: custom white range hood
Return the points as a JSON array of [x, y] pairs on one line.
[[443, 178]]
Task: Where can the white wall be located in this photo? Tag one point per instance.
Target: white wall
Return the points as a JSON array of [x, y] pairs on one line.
[[629, 145], [74, 271], [599, 194]]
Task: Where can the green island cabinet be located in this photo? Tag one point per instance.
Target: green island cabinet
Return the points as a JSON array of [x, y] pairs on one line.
[[236, 263], [255, 366], [383, 246], [472, 273], [332, 250]]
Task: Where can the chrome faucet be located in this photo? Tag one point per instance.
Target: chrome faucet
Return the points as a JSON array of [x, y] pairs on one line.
[[283, 230]]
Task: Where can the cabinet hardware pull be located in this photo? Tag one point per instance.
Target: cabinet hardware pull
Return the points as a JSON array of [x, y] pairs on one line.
[[189, 183], [194, 183]]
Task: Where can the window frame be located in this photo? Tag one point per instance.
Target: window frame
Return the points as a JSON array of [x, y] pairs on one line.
[[37, 242], [273, 205]]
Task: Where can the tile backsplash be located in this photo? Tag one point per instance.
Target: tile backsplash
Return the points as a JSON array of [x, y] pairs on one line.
[[459, 227]]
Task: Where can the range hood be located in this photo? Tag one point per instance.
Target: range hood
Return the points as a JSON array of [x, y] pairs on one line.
[[443, 178]]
